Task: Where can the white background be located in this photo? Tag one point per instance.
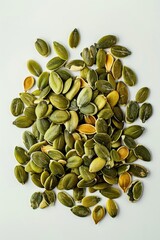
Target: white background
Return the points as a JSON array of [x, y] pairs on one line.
[[135, 22]]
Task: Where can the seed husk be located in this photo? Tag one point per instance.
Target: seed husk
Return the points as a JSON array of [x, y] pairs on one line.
[[81, 211], [34, 67], [123, 152], [74, 38], [86, 128], [120, 51], [60, 50], [75, 65], [98, 213], [42, 47], [17, 107], [111, 208], [124, 181], [135, 191], [145, 112], [109, 62]]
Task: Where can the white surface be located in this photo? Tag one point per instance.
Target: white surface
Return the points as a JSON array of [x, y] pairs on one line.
[[135, 22]]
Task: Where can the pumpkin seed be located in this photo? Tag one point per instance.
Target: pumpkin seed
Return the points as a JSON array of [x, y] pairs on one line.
[[74, 38], [60, 50], [120, 51], [145, 112], [129, 76], [98, 213], [112, 208]]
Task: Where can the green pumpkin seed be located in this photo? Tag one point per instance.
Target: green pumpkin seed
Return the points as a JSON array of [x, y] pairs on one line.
[[75, 65], [117, 69], [66, 199], [42, 125], [129, 141], [27, 98], [59, 142], [106, 41], [138, 170], [51, 182], [28, 139], [74, 161], [22, 122], [60, 116], [87, 57], [20, 174], [90, 201], [100, 186], [74, 38], [74, 89], [111, 192], [142, 152], [21, 155], [72, 123], [35, 168], [104, 86], [129, 76], [43, 80], [142, 94], [70, 181], [42, 47], [30, 112], [98, 213], [60, 50], [105, 113], [135, 191], [123, 93], [34, 67], [78, 193], [145, 112], [92, 78], [55, 154], [97, 164], [49, 197], [111, 80], [55, 63], [89, 109], [55, 82], [84, 97], [120, 51], [41, 109], [36, 147], [112, 208], [102, 138], [101, 125], [56, 168], [131, 157], [36, 199], [59, 101], [133, 131], [111, 173], [67, 85], [17, 107], [132, 111], [79, 147], [123, 168], [81, 211], [101, 151], [86, 174], [83, 184], [40, 159], [100, 101], [52, 133]]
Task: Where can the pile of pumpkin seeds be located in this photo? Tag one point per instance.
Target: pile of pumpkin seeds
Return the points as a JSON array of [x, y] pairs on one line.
[[82, 142]]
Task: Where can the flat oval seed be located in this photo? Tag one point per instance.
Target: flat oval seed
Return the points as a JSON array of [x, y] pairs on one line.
[[81, 211], [28, 83], [40, 159], [142, 152], [129, 76], [104, 86], [117, 69], [142, 94], [74, 38], [36, 199], [138, 170], [20, 174], [22, 122], [59, 116], [84, 97], [59, 101], [43, 80], [109, 62], [134, 131], [21, 155], [60, 50], [42, 47], [74, 161], [145, 112], [106, 41], [86, 174], [101, 58], [98, 214], [17, 107], [110, 192], [70, 181], [86, 129], [74, 89], [97, 164], [72, 123], [34, 67], [123, 93], [112, 208], [75, 65], [55, 63], [120, 51], [113, 98], [65, 199], [55, 82], [90, 201], [124, 181]]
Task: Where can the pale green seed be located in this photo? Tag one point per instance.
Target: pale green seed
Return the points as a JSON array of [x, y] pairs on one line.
[[52, 133], [74, 89], [90, 109], [74, 161], [97, 164], [28, 139], [21, 155], [34, 67], [87, 57], [74, 38], [60, 50], [86, 174], [27, 98], [30, 112], [75, 65], [42, 125], [70, 181], [56, 168], [104, 86], [84, 97], [17, 107], [78, 193], [20, 174], [98, 213], [55, 154], [35, 168], [43, 80], [101, 151], [55, 82], [90, 201], [36, 199], [41, 109], [42, 47], [40, 159], [59, 116], [106, 41], [72, 123], [67, 85], [59, 101], [55, 63], [142, 94], [129, 76], [112, 208], [36, 147], [22, 122]]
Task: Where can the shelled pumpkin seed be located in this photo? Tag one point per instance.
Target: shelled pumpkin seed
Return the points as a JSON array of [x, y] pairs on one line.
[[81, 138]]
